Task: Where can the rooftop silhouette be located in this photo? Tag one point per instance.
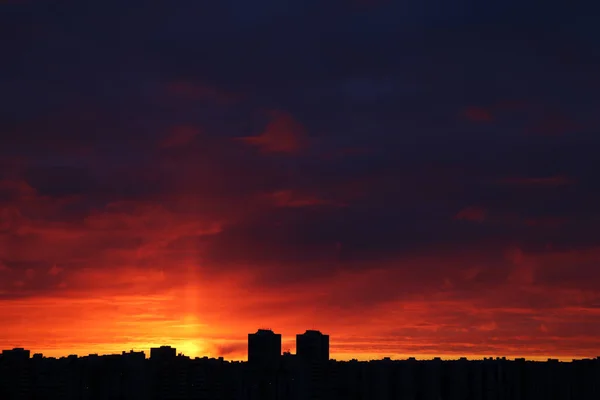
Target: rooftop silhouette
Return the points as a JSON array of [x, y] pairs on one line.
[[308, 374]]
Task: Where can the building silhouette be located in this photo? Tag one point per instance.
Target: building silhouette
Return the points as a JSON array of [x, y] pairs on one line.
[[312, 350], [264, 347], [163, 353], [264, 356], [270, 375], [313, 346]]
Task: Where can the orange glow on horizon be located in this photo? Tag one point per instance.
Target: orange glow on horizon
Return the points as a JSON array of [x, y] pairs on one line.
[[197, 321]]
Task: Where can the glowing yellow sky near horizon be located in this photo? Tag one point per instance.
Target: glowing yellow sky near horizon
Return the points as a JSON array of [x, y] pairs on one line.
[[199, 322]]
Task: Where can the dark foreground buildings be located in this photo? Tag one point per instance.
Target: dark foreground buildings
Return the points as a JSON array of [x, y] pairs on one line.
[[307, 375]]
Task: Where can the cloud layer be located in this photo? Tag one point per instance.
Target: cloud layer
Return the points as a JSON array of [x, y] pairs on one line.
[[422, 186]]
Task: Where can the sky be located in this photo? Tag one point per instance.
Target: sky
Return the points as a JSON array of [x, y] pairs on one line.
[[410, 177]]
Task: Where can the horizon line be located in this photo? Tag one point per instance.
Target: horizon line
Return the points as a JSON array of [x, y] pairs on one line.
[[403, 357]]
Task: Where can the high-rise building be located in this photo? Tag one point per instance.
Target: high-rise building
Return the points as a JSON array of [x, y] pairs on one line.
[[264, 347], [312, 346], [264, 356], [15, 374], [163, 353], [312, 349]]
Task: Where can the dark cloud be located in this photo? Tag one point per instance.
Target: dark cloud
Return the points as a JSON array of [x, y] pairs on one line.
[[229, 349], [367, 152], [282, 135]]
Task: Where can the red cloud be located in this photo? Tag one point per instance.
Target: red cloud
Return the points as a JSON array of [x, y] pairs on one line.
[[139, 269], [55, 270], [289, 198], [18, 189], [523, 270], [151, 305], [546, 222], [283, 134], [179, 136], [474, 214], [4, 268], [554, 125]]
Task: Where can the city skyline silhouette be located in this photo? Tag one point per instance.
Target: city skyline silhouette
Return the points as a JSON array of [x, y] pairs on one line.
[[271, 374], [288, 351]]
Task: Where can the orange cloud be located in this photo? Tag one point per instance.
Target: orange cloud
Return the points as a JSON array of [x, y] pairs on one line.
[[137, 274], [211, 317], [283, 134]]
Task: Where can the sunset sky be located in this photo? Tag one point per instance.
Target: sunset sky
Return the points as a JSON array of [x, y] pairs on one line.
[[410, 179]]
